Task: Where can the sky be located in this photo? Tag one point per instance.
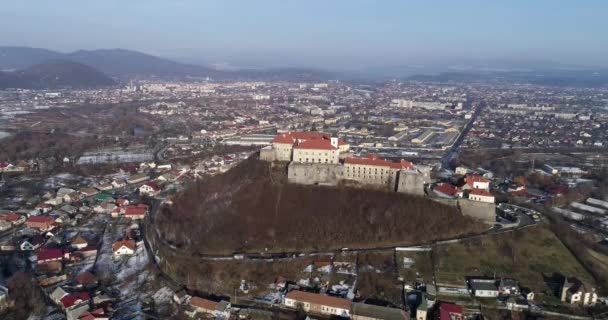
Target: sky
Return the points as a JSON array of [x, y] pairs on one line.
[[338, 34]]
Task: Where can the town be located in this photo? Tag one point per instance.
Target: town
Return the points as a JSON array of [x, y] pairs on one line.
[[84, 173]]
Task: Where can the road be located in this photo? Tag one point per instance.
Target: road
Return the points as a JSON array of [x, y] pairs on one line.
[[453, 151]]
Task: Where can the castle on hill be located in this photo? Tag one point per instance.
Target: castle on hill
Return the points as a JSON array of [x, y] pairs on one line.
[[319, 158]]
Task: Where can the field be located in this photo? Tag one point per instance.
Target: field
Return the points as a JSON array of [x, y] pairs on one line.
[[415, 266], [534, 257]]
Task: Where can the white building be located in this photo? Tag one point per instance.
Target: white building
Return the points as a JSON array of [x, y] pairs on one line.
[[481, 195]]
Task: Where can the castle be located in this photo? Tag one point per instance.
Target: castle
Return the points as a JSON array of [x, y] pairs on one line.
[[319, 158]]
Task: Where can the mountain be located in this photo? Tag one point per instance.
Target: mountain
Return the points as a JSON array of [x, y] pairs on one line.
[[120, 62], [14, 58], [55, 74], [128, 63]]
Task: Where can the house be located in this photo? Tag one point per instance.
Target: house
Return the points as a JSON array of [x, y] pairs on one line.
[[123, 248], [204, 305], [483, 288], [305, 147], [79, 242], [13, 218], [138, 178], [72, 197], [5, 225], [473, 181], [150, 189], [86, 279], [575, 291], [54, 201], [69, 209], [135, 212], [58, 294], [508, 287], [117, 184], [445, 190], [423, 308], [481, 195], [318, 303], [77, 309], [32, 243], [181, 297], [64, 191], [88, 192], [449, 311], [362, 311], [88, 251], [121, 202], [46, 255], [42, 223], [103, 197], [223, 310], [44, 207], [104, 187]]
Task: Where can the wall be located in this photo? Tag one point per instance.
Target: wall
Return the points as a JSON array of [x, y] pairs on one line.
[[480, 210], [315, 156], [325, 174], [412, 182], [267, 154]]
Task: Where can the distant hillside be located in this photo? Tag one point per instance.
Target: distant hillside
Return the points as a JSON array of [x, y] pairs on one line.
[[128, 63], [55, 74], [244, 211], [15, 58], [548, 77], [121, 62]]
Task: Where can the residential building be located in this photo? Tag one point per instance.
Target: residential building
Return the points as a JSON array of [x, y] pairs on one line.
[[575, 291], [481, 195], [123, 248], [449, 311], [42, 223], [318, 303], [361, 311]]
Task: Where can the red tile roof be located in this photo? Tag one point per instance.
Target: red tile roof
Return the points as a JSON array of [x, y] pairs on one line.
[[204, 303], [71, 299], [446, 189], [469, 179], [284, 138], [40, 219], [447, 310], [46, 254], [374, 160], [152, 186], [10, 217], [481, 192], [317, 144], [302, 137], [135, 211], [127, 243], [319, 299]]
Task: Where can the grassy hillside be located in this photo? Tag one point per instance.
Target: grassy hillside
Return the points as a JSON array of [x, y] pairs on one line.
[[531, 256], [245, 210]]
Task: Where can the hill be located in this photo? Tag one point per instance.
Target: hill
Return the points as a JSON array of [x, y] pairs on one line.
[[55, 74], [120, 62], [129, 63], [15, 58], [243, 210]]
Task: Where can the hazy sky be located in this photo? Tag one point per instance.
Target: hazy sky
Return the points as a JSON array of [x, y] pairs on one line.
[[321, 33]]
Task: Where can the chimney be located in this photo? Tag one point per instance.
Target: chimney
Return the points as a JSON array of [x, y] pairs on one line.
[[334, 142]]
